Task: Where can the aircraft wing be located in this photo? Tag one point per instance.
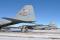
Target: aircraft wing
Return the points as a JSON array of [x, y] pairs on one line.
[[4, 23], [15, 21], [12, 21]]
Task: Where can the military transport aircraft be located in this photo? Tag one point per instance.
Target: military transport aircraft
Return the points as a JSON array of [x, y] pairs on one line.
[[25, 15]]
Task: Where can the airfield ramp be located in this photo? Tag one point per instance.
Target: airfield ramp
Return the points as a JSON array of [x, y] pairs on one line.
[[30, 36]]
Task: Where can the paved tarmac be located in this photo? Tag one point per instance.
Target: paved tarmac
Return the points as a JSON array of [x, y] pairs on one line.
[[29, 36]]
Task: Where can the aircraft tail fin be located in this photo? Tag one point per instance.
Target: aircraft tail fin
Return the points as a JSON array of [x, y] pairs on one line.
[[26, 13]]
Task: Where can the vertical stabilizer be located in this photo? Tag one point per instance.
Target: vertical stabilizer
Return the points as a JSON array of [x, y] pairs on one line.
[[26, 13]]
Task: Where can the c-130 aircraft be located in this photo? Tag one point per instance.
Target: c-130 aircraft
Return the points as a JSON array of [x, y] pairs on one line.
[[25, 15]]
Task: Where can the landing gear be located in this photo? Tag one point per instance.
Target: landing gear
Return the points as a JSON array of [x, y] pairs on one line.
[[0, 29], [24, 29]]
